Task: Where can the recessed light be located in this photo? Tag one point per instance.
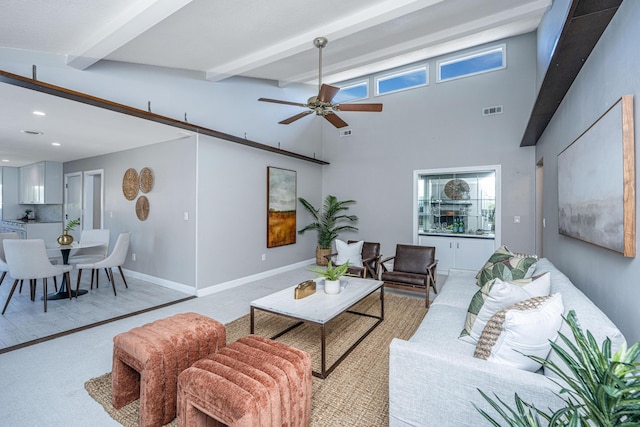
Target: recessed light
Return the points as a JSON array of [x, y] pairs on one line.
[[5, 160], [39, 113], [32, 132], [55, 144]]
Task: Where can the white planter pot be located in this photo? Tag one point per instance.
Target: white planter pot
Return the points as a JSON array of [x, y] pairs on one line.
[[332, 287]]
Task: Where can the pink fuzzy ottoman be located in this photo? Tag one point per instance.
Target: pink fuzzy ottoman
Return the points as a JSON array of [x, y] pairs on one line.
[[147, 361], [252, 382]]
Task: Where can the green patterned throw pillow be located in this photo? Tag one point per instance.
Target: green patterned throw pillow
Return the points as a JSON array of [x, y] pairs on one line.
[[505, 265]]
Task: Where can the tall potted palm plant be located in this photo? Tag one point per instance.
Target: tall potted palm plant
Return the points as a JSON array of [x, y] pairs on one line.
[[329, 223]]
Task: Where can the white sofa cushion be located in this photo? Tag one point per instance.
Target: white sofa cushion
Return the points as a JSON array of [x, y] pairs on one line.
[[497, 295], [591, 318], [521, 330]]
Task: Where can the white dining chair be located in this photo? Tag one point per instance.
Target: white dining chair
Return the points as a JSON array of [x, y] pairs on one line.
[[28, 260], [3, 262], [94, 253], [116, 259]]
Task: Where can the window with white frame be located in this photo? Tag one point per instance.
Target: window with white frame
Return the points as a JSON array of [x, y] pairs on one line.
[[402, 80], [352, 92], [473, 63]]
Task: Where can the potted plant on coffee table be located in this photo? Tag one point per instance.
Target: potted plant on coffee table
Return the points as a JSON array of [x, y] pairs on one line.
[[332, 276], [328, 223]]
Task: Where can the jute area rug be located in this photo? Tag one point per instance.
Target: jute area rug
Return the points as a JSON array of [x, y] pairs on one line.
[[355, 393]]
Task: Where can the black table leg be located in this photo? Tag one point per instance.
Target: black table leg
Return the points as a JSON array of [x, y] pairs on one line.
[[62, 291]]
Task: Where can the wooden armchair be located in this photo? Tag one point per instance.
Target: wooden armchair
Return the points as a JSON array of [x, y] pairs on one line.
[[414, 268]]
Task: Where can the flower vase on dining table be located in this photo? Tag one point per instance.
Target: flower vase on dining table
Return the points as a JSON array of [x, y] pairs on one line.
[[65, 238]]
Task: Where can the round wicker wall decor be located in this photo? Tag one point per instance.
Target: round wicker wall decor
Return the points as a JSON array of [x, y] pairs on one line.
[[455, 188], [130, 184], [142, 208], [146, 180]]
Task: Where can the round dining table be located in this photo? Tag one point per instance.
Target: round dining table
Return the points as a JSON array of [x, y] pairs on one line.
[[65, 250]]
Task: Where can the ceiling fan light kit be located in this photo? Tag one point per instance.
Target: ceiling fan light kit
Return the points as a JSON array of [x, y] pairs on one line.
[[321, 104]]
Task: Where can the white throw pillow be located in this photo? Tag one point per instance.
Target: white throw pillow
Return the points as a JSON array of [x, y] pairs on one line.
[[351, 253], [521, 330], [496, 295]]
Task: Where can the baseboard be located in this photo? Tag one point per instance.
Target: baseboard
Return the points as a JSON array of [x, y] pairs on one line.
[[219, 287], [162, 282], [244, 280]]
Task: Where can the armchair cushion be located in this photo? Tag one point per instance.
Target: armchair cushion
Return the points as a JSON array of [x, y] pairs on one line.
[[349, 252], [402, 277], [413, 259]]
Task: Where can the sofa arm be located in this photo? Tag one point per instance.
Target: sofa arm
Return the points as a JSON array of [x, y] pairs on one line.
[[432, 387]]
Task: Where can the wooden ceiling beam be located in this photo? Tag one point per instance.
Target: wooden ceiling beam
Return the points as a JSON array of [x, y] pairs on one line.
[[585, 23], [27, 83]]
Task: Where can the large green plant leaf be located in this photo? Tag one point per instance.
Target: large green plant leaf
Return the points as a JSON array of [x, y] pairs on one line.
[[598, 388], [330, 221]]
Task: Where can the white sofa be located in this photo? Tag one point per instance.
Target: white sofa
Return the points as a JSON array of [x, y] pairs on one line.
[[434, 378]]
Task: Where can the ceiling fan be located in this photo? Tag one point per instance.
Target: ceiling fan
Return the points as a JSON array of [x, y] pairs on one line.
[[321, 104]]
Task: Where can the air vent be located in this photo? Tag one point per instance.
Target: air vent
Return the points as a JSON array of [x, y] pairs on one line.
[[490, 111], [32, 132], [345, 132]]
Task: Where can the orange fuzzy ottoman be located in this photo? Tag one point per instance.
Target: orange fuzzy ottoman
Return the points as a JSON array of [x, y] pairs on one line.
[[147, 361], [254, 381]]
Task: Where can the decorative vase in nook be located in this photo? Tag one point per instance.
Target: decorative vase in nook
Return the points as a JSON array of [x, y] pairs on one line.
[[332, 287], [65, 239]]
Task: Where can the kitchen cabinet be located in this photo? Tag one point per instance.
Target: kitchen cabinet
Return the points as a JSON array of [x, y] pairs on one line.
[[469, 253], [40, 183]]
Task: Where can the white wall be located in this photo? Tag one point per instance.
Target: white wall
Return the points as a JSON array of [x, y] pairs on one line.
[[611, 71], [438, 126]]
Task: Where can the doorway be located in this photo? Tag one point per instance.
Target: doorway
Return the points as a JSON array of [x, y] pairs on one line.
[[84, 198]]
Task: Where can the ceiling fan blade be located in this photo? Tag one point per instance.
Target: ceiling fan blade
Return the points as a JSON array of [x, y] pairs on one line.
[[327, 93], [359, 107], [296, 117], [335, 120], [277, 101]]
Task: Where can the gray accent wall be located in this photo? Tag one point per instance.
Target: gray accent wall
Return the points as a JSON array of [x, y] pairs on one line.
[[232, 211], [164, 243], [438, 126], [611, 71], [548, 34]]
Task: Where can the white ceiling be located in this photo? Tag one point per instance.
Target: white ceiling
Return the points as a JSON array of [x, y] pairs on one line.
[[267, 39]]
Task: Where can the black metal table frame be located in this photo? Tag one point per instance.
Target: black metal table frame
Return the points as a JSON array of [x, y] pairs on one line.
[[324, 372], [62, 292]]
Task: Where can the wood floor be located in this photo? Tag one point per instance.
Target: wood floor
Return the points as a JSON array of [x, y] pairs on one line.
[[26, 323]]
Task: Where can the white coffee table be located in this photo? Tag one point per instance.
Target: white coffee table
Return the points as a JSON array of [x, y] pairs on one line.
[[320, 309]]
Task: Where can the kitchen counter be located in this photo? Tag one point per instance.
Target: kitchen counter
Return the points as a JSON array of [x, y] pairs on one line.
[[33, 229], [466, 235]]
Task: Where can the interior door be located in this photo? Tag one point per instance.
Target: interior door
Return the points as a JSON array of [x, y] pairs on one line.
[[73, 197], [93, 205]]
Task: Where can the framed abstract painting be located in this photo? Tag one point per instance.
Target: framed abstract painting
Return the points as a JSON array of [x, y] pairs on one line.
[[596, 182], [281, 207]]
